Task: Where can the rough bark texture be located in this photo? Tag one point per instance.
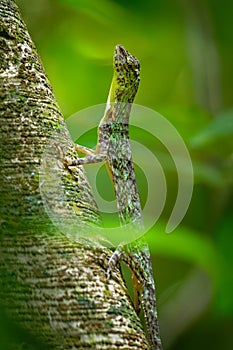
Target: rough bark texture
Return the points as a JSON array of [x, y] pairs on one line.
[[53, 290]]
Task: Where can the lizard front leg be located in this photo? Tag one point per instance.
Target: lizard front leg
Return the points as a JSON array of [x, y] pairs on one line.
[[84, 150], [91, 156]]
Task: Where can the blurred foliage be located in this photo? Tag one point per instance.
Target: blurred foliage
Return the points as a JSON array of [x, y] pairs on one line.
[[186, 54], [14, 337]]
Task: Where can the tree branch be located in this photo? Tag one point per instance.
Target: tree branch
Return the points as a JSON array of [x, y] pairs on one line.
[[53, 290]]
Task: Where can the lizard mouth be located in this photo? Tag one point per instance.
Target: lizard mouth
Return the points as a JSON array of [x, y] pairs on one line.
[[121, 55], [126, 65], [120, 50]]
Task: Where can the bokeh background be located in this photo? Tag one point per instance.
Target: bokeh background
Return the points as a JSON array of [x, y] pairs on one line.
[[186, 54]]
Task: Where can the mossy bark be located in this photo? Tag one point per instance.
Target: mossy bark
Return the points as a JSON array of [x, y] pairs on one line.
[[53, 289]]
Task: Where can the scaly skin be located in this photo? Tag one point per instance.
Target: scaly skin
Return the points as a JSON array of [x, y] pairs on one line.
[[113, 147]]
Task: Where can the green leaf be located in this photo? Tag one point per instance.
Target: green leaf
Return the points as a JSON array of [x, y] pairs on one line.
[[187, 245], [224, 239], [220, 128]]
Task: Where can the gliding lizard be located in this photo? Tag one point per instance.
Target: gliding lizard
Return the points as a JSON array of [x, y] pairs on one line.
[[113, 147]]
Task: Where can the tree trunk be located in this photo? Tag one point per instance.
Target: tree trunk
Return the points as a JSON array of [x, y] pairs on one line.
[[53, 288]]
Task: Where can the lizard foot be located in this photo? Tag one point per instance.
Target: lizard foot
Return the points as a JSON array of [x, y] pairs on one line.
[[115, 259]]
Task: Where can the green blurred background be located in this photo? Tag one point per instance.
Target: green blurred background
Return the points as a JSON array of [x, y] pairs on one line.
[[186, 54]]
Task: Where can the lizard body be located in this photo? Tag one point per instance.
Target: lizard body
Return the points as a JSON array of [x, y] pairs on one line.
[[113, 147]]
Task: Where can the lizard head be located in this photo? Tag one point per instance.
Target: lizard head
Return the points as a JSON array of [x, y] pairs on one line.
[[126, 76]]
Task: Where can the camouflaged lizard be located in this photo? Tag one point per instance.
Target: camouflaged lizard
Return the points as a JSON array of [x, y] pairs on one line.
[[113, 147]]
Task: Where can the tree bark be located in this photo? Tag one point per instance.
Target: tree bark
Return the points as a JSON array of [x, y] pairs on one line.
[[53, 288]]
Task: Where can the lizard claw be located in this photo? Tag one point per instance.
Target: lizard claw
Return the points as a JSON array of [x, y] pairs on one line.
[[114, 260], [68, 161]]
